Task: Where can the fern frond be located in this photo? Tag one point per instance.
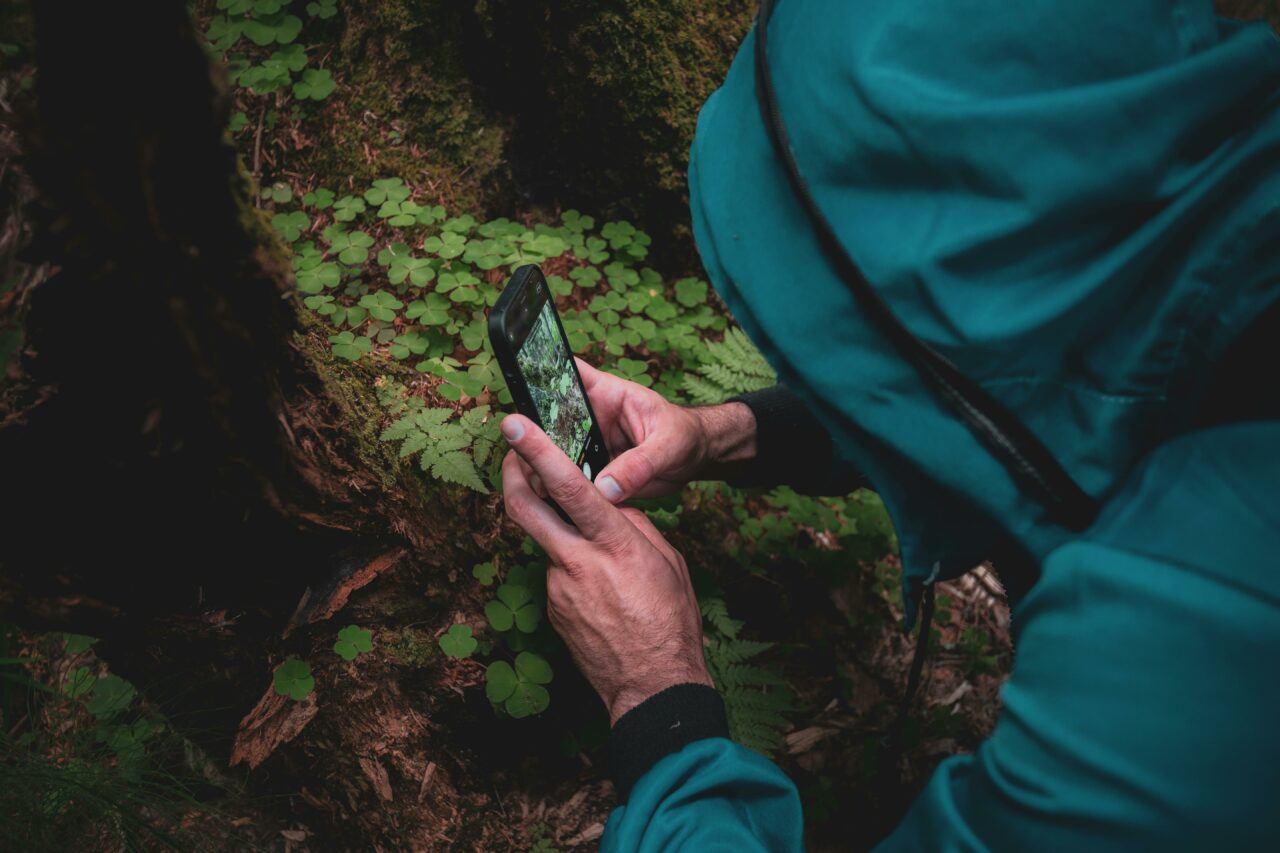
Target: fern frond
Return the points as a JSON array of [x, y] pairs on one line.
[[457, 467], [730, 367], [716, 612]]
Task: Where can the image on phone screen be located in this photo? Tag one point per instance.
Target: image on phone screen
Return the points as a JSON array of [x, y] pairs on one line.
[[545, 364]]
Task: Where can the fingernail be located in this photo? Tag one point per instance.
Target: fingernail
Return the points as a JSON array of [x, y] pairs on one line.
[[609, 488], [512, 429]]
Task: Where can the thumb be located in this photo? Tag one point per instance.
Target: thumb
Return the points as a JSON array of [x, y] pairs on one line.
[[627, 475]]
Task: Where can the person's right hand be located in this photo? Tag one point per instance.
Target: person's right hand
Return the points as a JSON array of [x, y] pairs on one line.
[[658, 446]]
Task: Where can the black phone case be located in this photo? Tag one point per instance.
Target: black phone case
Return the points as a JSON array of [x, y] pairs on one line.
[[523, 278]]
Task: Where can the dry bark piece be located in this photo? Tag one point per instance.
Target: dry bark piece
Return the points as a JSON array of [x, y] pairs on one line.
[[273, 721]]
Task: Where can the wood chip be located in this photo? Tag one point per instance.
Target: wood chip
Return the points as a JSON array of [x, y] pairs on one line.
[[273, 721], [426, 779]]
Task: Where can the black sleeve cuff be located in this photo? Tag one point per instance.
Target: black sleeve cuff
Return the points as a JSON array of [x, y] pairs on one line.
[[663, 724], [792, 447]]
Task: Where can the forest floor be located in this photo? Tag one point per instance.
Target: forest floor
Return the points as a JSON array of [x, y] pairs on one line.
[[398, 747]]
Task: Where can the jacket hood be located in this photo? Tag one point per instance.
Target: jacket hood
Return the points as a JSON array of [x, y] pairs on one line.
[[1078, 204]]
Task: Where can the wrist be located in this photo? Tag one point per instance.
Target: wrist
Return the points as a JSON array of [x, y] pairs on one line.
[[636, 691], [727, 437]]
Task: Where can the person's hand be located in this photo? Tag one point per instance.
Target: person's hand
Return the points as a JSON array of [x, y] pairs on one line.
[[659, 446], [617, 592]]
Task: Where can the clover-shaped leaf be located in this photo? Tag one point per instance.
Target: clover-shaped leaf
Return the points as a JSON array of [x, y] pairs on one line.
[[353, 640], [278, 28], [484, 572], [290, 225], [322, 305], [349, 346], [458, 642], [430, 215], [111, 694], [585, 276], [447, 245], [386, 189], [317, 278], [277, 192], [691, 292], [293, 679], [79, 682], [316, 85], [460, 224], [348, 208], [320, 199], [352, 247], [519, 689], [382, 306], [293, 57], [576, 222], [514, 606], [431, 310], [419, 271], [322, 8]]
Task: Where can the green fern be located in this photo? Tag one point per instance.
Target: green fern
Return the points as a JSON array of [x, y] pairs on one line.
[[732, 366], [443, 444], [756, 698]]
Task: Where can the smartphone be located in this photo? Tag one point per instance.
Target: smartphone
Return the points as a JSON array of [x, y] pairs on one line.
[[534, 354]]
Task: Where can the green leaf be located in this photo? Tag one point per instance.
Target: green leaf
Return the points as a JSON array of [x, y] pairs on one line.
[[514, 596], [111, 694], [527, 700], [353, 640], [316, 85], [458, 467], [386, 189], [348, 208], [533, 668], [77, 643], [691, 292], [499, 615], [79, 682], [320, 199], [499, 681], [290, 225], [278, 192], [293, 679], [458, 642], [484, 572]]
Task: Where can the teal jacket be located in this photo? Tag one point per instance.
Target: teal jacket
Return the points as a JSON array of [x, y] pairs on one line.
[[1078, 203]]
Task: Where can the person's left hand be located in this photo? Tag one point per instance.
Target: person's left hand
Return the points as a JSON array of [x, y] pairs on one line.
[[617, 592]]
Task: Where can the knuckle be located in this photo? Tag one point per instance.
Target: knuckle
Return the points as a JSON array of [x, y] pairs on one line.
[[569, 489]]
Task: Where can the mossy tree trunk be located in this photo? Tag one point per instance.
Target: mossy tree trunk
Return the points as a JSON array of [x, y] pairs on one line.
[[194, 484]]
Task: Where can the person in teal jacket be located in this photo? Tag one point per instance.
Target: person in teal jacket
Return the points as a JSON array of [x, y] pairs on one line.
[[1077, 204]]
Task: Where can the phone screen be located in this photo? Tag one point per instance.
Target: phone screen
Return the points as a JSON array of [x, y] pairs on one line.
[[545, 364]]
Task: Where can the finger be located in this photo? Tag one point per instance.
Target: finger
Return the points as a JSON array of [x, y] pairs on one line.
[[590, 376], [627, 475], [535, 482], [533, 514], [596, 518]]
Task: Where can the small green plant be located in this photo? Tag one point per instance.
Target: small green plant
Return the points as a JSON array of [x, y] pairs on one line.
[[756, 698], [293, 679], [457, 642], [484, 572], [514, 606], [732, 366], [78, 682], [353, 640], [443, 442], [520, 689]]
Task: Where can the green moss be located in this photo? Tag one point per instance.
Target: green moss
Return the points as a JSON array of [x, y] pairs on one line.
[[405, 107], [414, 648]]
